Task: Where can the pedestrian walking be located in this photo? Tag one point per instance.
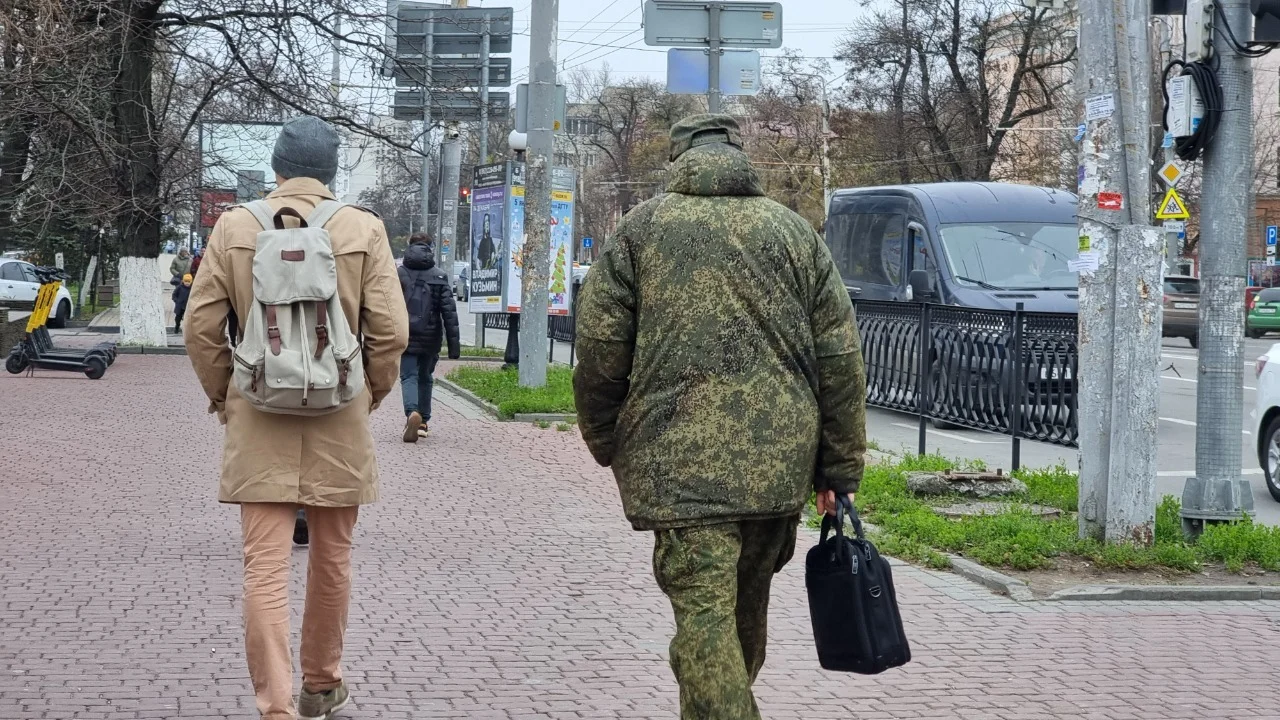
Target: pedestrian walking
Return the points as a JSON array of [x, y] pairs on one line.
[[433, 317], [196, 260], [180, 296], [720, 377], [180, 266], [273, 464]]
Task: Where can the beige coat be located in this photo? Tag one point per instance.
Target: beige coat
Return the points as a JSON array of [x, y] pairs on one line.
[[327, 461]]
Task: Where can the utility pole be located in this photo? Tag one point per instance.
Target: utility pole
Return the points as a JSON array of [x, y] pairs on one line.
[[1120, 287], [450, 175], [1218, 491], [427, 54], [484, 91], [537, 209]]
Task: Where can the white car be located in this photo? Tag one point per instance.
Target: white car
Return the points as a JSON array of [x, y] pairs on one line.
[[18, 282], [1266, 414]]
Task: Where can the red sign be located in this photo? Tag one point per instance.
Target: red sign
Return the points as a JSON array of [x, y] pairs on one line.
[[213, 203], [1110, 201]]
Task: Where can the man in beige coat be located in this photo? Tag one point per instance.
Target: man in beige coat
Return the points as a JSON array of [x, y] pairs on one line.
[[273, 464]]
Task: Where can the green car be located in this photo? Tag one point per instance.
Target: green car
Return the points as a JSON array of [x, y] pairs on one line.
[[1264, 314]]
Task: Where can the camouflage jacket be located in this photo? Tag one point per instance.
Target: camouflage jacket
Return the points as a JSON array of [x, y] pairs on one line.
[[720, 372]]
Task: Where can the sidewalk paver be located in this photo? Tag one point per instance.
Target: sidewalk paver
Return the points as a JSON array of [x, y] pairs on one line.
[[496, 579]]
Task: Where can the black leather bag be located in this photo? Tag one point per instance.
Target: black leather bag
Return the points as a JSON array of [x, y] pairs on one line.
[[852, 602]]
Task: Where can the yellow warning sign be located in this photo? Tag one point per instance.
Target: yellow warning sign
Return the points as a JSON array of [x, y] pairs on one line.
[[1172, 207]]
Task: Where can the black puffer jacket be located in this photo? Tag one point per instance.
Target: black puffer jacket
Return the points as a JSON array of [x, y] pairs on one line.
[[442, 314]]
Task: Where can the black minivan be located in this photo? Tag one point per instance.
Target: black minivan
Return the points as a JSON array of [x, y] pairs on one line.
[[979, 245]]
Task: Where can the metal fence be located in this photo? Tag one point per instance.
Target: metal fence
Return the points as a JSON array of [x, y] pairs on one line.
[[559, 327], [1010, 372]]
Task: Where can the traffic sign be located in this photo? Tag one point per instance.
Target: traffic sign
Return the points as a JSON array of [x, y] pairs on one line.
[[447, 72], [1172, 207], [557, 112], [1171, 173], [1271, 234], [449, 105], [1271, 250], [1271, 261], [681, 23], [454, 31], [586, 242], [1174, 226]]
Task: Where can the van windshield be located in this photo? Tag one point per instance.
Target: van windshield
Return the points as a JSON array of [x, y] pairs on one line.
[[1012, 256]]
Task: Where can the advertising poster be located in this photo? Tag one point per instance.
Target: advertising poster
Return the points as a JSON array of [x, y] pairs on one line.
[[213, 203], [487, 249], [559, 300]]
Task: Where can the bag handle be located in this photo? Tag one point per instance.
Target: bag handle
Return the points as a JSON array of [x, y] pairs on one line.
[[278, 221], [844, 507]]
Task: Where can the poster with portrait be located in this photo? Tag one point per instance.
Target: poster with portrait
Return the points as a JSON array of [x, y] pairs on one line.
[[487, 248]]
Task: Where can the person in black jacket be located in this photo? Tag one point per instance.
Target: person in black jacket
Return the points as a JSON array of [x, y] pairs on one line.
[[433, 317]]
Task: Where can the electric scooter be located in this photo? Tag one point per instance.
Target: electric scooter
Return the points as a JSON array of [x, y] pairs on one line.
[[36, 349]]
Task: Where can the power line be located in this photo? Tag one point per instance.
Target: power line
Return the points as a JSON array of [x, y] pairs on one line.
[[572, 56]]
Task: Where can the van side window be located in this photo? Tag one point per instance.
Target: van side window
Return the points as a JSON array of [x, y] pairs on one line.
[[867, 238]]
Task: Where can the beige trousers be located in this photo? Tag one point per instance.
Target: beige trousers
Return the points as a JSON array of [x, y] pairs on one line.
[[268, 546]]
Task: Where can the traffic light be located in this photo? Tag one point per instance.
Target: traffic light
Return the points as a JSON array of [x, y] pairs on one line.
[[466, 196]]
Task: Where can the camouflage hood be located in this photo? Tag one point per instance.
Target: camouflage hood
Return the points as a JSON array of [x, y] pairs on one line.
[[717, 170]]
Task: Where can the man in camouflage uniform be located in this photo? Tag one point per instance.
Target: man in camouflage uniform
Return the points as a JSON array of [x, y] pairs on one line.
[[721, 377]]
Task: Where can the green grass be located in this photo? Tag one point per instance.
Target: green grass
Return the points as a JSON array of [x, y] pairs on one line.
[[909, 528], [484, 352], [501, 388]]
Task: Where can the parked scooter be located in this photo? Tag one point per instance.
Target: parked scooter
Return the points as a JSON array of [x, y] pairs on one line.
[[37, 350]]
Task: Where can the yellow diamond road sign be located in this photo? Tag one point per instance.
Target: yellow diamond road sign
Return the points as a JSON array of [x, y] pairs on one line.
[[1172, 207], [1171, 173]]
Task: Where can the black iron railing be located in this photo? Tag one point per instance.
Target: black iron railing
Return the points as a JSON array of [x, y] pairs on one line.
[[1010, 372], [559, 327]]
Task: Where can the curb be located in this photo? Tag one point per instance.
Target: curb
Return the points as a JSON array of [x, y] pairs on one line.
[[1167, 593], [146, 350], [991, 579], [470, 397], [544, 417]]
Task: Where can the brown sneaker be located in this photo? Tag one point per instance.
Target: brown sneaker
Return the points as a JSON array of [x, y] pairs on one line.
[[322, 705], [411, 425]]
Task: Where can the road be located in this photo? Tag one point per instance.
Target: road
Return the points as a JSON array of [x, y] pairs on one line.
[[1177, 439]]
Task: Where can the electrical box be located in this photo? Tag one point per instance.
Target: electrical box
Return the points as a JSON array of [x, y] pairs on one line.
[[1199, 27], [1186, 109]]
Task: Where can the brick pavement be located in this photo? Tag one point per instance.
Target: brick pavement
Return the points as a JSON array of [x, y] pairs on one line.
[[495, 580]]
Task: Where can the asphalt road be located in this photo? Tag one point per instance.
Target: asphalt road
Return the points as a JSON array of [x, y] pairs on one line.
[[1177, 439]]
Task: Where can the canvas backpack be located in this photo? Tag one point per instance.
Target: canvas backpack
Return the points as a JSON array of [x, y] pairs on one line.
[[298, 355]]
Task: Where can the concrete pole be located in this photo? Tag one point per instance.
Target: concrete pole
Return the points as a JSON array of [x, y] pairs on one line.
[[1218, 491], [450, 175], [1120, 300], [537, 209], [826, 150], [425, 194]]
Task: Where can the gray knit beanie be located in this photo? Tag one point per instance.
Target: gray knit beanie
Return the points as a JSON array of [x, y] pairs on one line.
[[307, 147]]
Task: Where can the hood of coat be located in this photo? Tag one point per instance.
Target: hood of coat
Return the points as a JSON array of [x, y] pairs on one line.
[[419, 257], [717, 170]]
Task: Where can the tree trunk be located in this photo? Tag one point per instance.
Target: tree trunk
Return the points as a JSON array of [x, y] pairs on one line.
[[16, 144], [142, 312]]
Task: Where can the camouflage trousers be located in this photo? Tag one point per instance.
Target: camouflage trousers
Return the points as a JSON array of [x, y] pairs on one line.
[[717, 578]]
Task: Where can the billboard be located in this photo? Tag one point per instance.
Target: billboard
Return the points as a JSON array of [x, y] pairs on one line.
[[487, 248], [213, 203], [559, 301]]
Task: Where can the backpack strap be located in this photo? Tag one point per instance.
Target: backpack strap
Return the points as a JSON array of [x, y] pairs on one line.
[[322, 328], [262, 212], [273, 330], [323, 213]]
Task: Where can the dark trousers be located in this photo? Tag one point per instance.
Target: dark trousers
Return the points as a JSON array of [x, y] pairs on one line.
[[717, 578], [416, 382]]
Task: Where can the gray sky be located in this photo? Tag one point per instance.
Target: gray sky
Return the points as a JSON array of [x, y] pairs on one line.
[[812, 26]]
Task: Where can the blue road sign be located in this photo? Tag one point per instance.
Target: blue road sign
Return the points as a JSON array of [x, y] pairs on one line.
[[586, 242], [1271, 234]]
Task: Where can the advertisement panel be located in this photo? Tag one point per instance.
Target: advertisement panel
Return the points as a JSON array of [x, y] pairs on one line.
[[488, 248], [213, 203], [560, 285]]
